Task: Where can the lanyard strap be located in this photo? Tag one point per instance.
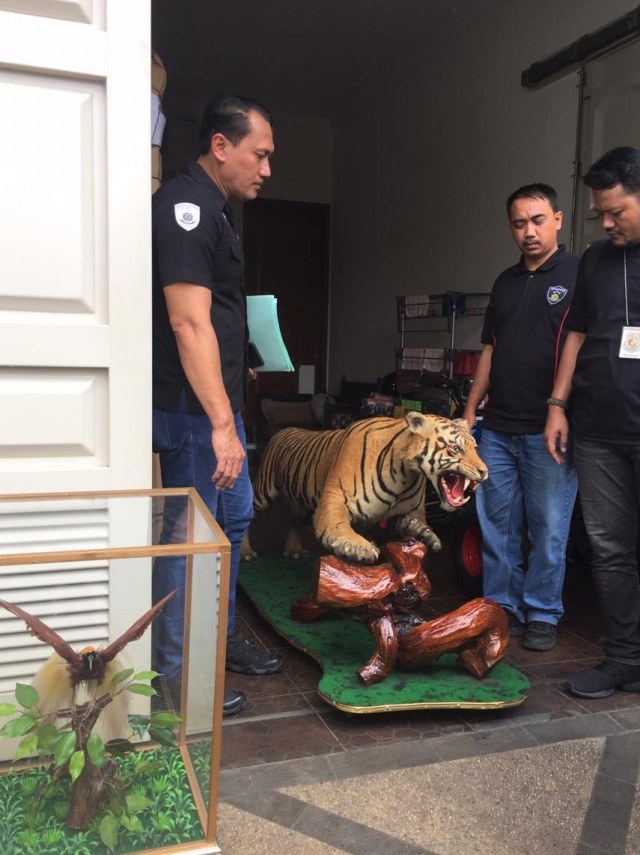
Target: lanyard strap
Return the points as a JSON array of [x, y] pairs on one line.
[[626, 298]]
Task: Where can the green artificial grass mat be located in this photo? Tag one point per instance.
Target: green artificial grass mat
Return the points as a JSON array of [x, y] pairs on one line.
[[341, 646], [35, 825]]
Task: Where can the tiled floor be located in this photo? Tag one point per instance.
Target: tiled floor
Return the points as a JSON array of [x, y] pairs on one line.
[[285, 720], [554, 776]]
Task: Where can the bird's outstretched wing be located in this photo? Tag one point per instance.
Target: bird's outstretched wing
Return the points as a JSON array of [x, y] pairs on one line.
[[135, 630], [42, 631]]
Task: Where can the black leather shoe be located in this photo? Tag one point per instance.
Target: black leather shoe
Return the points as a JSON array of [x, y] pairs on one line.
[[245, 658], [233, 702], [539, 635]]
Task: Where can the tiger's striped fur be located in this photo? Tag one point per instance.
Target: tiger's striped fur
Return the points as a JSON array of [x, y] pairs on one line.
[[373, 470]]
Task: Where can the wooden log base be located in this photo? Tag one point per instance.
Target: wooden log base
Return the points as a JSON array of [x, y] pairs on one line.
[[347, 585], [478, 630], [382, 662], [389, 594]]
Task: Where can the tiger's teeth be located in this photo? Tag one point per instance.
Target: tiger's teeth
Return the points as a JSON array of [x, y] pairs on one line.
[[467, 481]]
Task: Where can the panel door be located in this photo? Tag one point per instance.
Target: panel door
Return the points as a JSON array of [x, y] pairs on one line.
[[75, 307], [74, 245], [611, 117]]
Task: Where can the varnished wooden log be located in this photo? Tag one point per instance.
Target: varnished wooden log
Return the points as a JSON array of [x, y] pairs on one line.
[[409, 559], [345, 584], [478, 630], [389, 594], [386, 639]]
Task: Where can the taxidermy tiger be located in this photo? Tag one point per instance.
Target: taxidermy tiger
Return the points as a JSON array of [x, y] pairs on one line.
[[376, 469]]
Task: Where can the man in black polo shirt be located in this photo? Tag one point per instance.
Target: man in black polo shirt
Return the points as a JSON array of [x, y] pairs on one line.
[[600, 375], [199, 361], [522, 335]]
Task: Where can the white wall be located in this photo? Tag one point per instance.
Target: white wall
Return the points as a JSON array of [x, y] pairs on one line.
[[302, 166], [424, 164]]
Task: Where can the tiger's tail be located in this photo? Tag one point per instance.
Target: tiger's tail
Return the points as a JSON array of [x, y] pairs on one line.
[[267, 484]]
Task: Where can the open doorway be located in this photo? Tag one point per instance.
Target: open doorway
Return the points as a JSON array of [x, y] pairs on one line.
[[286, 248]]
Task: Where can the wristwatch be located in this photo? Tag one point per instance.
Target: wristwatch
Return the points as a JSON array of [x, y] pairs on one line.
[[558, 402]]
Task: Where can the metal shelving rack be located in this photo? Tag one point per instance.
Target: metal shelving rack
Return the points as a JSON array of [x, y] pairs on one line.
[[435, 313]]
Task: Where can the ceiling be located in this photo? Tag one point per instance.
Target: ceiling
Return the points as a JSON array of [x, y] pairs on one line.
[[300, 57]]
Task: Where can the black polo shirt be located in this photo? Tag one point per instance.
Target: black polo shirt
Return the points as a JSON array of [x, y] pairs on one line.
[[606, 389], [194, 241], [525, 323]]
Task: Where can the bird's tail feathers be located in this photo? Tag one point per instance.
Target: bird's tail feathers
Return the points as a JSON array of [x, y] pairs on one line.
[[51, 682], [114, 721]]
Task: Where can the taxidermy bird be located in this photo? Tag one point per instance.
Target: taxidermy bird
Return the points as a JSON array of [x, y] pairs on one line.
[[66, 671]]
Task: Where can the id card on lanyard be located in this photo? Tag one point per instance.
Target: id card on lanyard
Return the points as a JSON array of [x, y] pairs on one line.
[[630, 343], [630, 338]]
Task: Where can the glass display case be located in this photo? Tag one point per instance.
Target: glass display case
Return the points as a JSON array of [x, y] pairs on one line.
[[76, 574]]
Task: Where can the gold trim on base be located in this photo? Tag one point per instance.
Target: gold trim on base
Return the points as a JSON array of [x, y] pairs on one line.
[[426, 705]]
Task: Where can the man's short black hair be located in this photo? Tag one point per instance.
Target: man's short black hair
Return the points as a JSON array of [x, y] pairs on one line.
[[619, 166], [534, 191], [228, 115]]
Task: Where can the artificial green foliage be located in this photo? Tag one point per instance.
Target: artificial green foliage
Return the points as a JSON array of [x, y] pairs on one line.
[[76, 765], [64, 748], [95, 750], [200, 753], [148, 803], [26, 696]]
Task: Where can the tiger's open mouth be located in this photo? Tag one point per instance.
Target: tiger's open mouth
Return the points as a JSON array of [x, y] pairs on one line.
[[455, 490]]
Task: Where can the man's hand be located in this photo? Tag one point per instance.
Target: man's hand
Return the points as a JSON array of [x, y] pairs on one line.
[[469, 415], [556, 433], [230, 456], [252, 374]]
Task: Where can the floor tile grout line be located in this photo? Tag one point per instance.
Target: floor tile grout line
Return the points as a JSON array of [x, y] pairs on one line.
[[231, 722], [607, 790]]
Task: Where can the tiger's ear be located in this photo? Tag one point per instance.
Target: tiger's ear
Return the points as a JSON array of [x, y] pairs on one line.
[[420, 423], [464, 424]]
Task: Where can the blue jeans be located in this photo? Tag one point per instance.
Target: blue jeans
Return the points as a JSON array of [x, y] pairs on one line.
[[527, 493], [609, 478], [183, 442]]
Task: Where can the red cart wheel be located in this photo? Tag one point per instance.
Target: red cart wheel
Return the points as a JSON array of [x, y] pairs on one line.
[[467, 550], [471, 551]]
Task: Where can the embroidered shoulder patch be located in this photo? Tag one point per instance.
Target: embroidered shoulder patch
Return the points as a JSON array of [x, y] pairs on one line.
[[556, 294], [187, 215]]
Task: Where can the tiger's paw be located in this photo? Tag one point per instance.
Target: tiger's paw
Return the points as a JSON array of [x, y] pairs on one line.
[[293, 547], [247, 552], [421, 531], [353, 549], [295, 554]]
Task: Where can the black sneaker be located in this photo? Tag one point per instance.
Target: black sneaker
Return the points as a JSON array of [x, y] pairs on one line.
[[234, 700], [605, 679], [245, 658], [516, 627], [539, 635]]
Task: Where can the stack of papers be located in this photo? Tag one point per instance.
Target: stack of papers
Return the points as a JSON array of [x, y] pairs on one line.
[[264, 333]]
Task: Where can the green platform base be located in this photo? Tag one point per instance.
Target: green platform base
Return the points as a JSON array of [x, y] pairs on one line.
[[341, 646]]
